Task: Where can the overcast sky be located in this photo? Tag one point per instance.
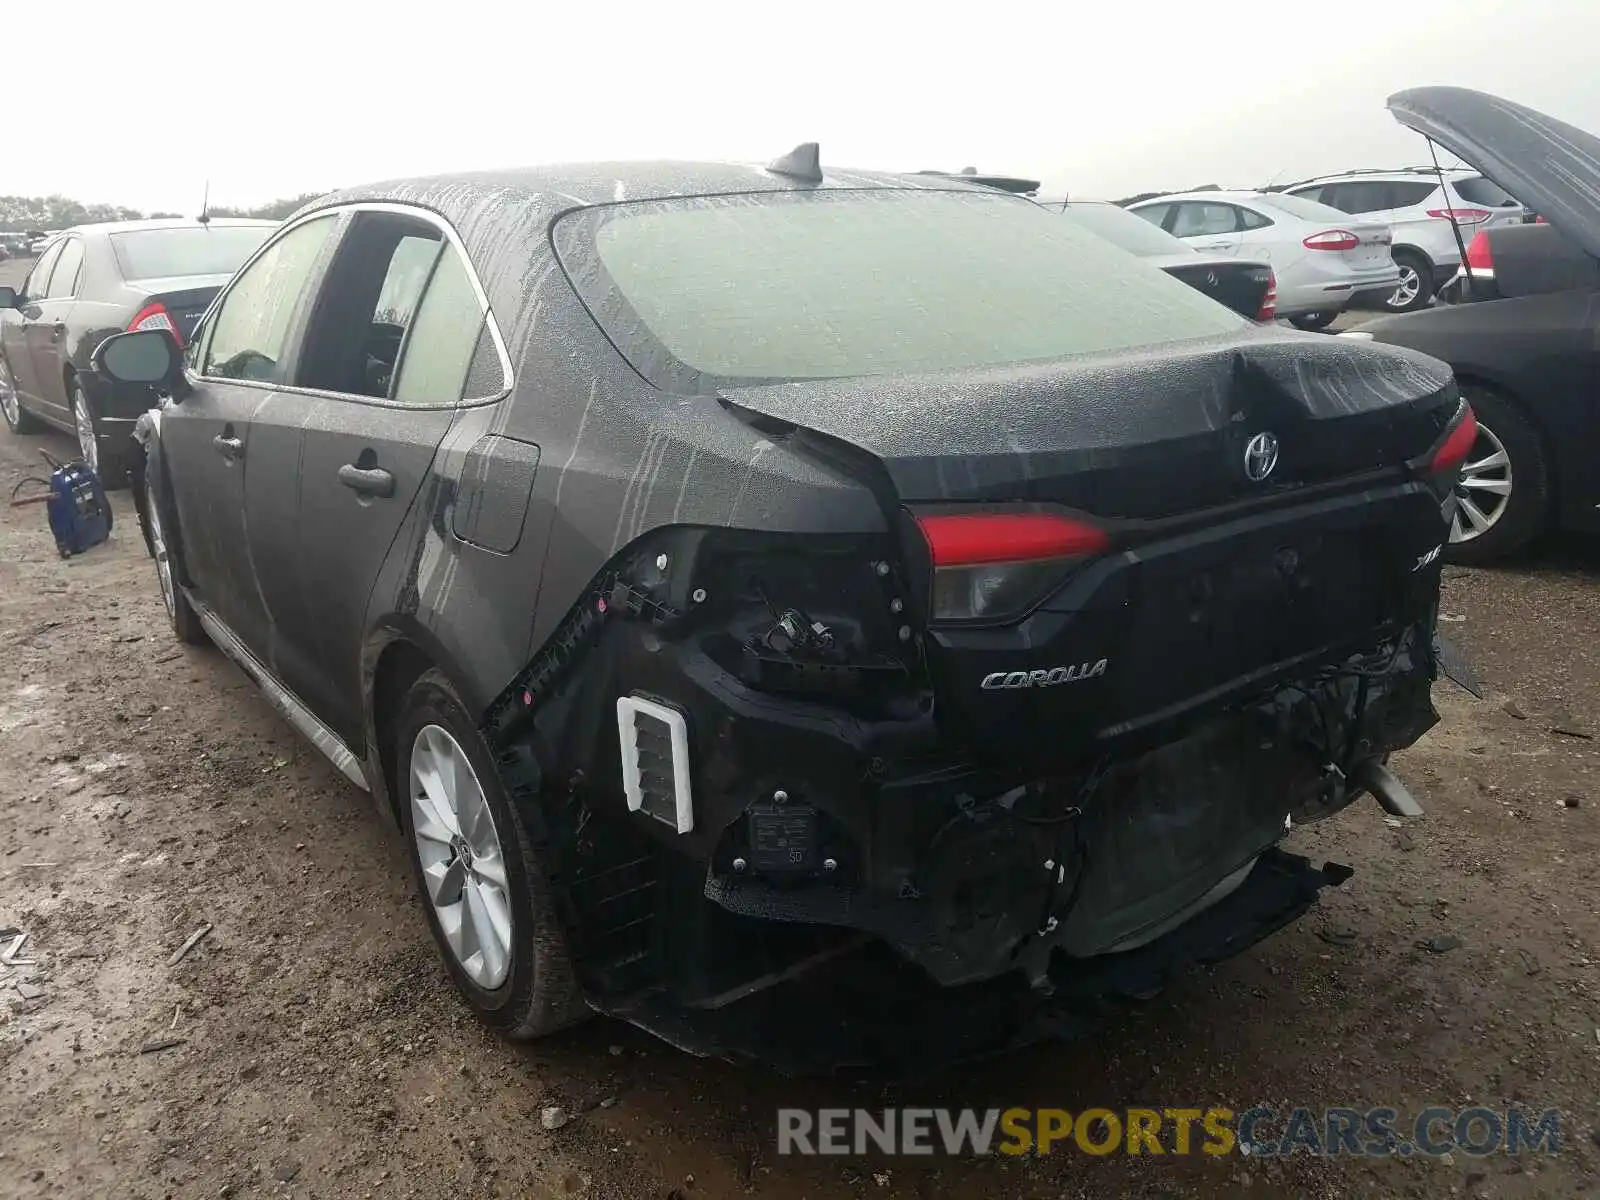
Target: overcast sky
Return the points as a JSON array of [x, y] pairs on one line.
[[129, 104]]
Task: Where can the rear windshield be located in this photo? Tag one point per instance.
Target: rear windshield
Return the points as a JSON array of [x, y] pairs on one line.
[[186, 250], [1484, 192], [1299, 206], [729, 290], [1120, 227]]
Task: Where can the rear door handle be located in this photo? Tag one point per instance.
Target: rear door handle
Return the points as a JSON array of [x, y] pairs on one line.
[[229, 447], [367, 481]]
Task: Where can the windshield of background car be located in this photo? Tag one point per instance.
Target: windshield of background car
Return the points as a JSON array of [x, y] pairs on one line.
[[186, 250], [1299, 206], [727, 291], [1121, 227]]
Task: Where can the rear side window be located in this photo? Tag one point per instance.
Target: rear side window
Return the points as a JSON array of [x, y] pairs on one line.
[[64, 280], [1485, 193], [1407, 192], [39, 277], [443, 341], [186, 250], [248, 332], [1298, 206], [717, 291]]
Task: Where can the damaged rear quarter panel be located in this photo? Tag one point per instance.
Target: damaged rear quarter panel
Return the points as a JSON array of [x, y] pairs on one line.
[[616, 459]]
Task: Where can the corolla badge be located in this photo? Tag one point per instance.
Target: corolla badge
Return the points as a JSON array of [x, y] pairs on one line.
[[1050, 678], [1261, 456]]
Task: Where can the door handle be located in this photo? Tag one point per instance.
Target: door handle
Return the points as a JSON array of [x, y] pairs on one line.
[[367, 481], [231, 448], [56, 330]]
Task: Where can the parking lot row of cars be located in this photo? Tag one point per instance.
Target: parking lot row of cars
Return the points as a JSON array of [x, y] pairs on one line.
[[788, 574]]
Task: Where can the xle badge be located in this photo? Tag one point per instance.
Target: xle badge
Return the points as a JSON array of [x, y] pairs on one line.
[[1055, 675]]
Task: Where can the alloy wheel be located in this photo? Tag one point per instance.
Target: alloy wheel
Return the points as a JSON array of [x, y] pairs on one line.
[[1484, 491], [463, 866], [1406, 293], [87, 445], [158, 547], [8, 396]]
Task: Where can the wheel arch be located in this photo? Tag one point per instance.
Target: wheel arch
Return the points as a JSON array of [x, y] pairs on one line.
[[1468, 378], [398, 652]]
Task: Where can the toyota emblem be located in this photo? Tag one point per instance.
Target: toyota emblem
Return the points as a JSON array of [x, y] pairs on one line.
[[1261, 456]]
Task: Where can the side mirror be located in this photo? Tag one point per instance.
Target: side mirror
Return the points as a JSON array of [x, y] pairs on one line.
[[147, 356], [8, 297]]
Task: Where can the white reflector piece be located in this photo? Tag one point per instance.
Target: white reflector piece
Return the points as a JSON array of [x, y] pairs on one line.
[[655, 761]]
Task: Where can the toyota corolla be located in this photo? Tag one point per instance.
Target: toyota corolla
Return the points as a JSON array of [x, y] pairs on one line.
[[809, 614]]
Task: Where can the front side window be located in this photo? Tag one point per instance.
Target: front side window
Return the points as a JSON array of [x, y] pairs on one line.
[[705, 292], [249, 330]]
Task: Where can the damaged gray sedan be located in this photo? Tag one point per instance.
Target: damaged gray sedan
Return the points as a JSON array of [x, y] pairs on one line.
[[826, 618]]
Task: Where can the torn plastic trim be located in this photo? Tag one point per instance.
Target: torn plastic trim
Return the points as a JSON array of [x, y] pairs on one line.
[[905, 1027]]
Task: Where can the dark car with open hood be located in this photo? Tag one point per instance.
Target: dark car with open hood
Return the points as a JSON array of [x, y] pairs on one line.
[[821, 617], [1524, 338]]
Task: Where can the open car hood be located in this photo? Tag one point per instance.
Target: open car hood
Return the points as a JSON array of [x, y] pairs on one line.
[[1552, 167]]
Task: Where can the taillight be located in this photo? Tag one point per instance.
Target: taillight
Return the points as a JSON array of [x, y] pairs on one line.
[[155, 316], [1479, 256], [1461, 216], [1269, 302], [989, 566], [1457, 444], [1332, 239]]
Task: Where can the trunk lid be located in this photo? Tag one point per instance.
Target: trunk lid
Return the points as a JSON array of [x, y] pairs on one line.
[[1138, 435], [1211, 583], [185, 297], [1240, 285], [1548, 165]]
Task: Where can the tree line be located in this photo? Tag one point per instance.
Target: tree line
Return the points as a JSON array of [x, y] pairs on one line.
[[22, 213]]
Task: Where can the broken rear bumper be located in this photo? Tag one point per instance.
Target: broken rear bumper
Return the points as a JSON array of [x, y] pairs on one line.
[[900, 1022]]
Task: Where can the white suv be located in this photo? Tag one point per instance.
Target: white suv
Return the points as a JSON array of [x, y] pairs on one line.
[[1418, 209]]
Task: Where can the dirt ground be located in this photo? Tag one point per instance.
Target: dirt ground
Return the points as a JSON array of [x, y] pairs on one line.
[[316, 1049]]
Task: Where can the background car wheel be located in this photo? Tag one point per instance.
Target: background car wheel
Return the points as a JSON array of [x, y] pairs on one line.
[[185, 623], [112, 468], [1503, 498], [17, 418], [483, 887], [1416, 283], [1311, 322]]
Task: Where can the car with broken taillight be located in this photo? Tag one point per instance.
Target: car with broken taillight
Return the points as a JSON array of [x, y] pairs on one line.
[[823, 617], [89, 282]]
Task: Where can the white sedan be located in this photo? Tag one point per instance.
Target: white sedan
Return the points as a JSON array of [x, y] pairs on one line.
[[1323, 258]]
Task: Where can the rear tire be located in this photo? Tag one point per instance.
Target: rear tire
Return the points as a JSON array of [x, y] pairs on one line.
[[482, 885], [18, 419], [1313, 321], [1416, 283], [1505, 521], [110, 464]]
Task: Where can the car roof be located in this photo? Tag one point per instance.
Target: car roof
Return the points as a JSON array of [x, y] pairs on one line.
[[100, 227], [1227, 197], [1399, 173], [585, 184]]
